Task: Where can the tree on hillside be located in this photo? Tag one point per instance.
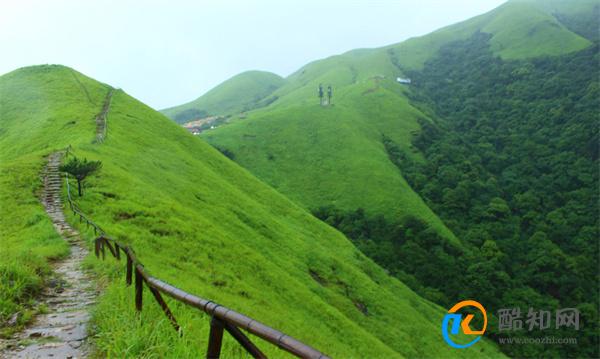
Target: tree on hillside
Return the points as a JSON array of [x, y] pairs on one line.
[[80, 170]]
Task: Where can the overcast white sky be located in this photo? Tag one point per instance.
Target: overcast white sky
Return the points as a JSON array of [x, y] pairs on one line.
[[169, 52]]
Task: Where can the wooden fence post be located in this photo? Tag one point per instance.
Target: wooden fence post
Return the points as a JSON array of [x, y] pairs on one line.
[[139, 287], [129, 270], [110, 247], [97, 247], [245, 341], [164, 307], [215, 339], [118, 251]]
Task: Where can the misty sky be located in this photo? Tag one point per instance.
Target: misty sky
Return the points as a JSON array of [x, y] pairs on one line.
[[169, 52]]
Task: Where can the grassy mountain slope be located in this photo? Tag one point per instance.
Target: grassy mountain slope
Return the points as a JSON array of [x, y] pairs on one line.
[[198, 221], [579, 16], [29, 127], [346, 156], [519, 28], [240, 93], [335, 156]]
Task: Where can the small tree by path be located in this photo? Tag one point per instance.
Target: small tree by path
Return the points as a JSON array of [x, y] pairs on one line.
[[80, 170]]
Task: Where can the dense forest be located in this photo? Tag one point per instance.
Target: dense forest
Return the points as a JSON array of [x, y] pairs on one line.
[[511, 166]]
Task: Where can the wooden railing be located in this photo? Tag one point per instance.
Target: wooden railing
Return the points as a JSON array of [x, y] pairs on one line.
[[222, 318]]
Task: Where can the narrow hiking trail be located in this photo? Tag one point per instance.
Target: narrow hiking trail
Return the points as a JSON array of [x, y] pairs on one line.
[[60, 332], [101, 117]]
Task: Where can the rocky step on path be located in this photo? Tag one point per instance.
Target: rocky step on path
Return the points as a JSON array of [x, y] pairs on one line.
[[61, 332]]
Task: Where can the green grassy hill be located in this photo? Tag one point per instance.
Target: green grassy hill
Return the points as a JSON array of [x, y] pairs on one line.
[[519, 28], [348, 156], [198, 221], [240, 93], [341, 158], [336, 155], [333, 155]]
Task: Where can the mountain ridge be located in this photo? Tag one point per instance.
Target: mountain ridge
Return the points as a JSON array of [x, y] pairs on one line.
[[520, 28], [247, 90], [346, 162], [188, 209], [375, 71]]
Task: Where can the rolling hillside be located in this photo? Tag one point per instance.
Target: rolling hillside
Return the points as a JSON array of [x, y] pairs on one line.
[[241, 93], [332, 155], [347, 162], [520, 29], [185, 208], [335, 155]]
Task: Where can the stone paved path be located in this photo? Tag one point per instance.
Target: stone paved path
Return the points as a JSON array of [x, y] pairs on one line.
[[62, 331]]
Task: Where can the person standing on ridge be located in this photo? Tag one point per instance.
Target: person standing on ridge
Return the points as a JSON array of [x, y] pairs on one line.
[[321, 94], [329, 94]]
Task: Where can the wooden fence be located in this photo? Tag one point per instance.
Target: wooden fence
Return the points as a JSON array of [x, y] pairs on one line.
[[222, 318]]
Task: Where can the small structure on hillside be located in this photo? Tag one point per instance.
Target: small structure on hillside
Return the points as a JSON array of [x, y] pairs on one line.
[[196, 127], [403, 80]]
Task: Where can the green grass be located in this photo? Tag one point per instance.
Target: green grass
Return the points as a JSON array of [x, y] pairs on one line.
[[322, 156], [523, 30], [240, 93], [31, 127], [520, 28], [200, 222], [335, 156]]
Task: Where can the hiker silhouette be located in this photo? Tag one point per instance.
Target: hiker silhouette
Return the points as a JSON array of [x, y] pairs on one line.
[[321, 94]]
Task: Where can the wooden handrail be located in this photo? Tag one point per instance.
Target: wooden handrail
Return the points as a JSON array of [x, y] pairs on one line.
[[222, 318]]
